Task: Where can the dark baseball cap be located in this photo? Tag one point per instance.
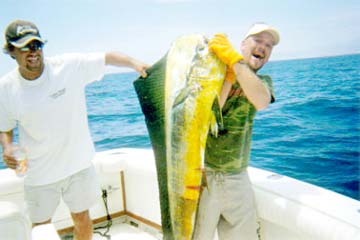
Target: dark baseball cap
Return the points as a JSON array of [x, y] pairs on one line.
[[20, 32]]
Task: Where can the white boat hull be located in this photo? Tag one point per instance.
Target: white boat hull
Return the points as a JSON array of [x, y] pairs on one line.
[[288, 209]]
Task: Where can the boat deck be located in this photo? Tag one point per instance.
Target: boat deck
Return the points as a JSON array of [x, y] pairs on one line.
[[121, 229], [124, 231]]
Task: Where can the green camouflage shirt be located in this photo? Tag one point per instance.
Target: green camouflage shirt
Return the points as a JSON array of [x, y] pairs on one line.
[[229, 152]]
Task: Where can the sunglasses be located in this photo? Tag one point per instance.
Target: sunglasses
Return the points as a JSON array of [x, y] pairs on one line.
[[33, 46]]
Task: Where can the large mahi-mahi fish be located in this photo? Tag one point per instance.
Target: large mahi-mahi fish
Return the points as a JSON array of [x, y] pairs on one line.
[[177, 99]]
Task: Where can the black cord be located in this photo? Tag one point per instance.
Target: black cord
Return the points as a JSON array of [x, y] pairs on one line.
[[108, 217]]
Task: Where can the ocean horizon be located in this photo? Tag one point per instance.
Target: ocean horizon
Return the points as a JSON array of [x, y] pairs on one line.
[[311, 132]]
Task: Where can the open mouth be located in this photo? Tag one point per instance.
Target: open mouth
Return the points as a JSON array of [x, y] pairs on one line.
[[258, 56], [33, 59]]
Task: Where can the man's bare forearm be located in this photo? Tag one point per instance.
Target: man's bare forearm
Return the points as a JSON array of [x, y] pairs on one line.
[[252, 86]]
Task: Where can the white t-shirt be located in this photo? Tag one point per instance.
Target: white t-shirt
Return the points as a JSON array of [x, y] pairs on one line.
[[51, 115]]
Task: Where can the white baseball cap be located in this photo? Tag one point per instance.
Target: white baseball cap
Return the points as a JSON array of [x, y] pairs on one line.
[[263, 27]]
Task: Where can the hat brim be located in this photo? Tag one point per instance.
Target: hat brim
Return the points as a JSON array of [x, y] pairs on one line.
[[259, 29], [25, 40], [274, 34]]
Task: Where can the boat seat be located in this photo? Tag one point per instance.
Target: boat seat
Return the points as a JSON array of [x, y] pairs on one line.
[[10, 183], [14, 224], [110, 161]]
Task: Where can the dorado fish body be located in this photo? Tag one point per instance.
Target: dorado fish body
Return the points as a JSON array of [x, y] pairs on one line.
[[178, 114]]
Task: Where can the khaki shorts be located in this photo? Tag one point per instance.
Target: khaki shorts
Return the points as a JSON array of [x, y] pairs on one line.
[[79, 191], [228, 206]]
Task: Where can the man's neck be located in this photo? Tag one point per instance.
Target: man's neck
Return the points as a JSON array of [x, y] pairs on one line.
[[31, 75]]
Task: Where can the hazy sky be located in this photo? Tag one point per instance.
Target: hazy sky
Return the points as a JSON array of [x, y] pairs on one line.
[[145, 28]]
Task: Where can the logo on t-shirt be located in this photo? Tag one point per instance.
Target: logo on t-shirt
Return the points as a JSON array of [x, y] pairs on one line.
[[58, 93]]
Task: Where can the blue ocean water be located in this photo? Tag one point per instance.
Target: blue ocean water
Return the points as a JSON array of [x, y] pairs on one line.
[[311, 132]]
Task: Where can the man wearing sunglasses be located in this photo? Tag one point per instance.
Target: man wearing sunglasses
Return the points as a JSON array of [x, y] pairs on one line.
[[45, 99]]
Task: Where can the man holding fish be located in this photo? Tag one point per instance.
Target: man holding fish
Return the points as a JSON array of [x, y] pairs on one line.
[[45, 99], [227, 203]]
